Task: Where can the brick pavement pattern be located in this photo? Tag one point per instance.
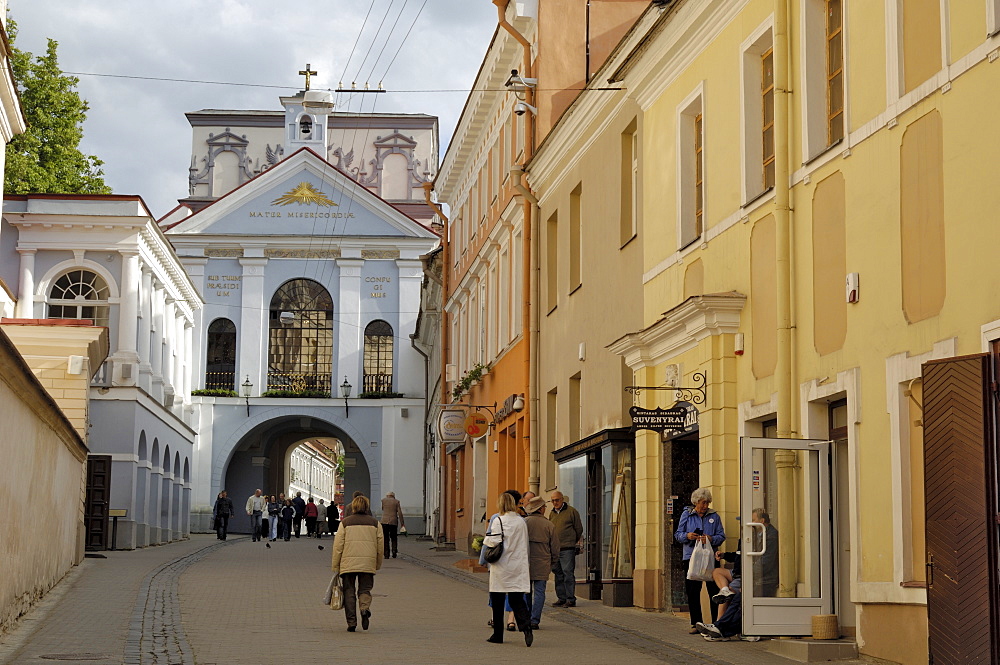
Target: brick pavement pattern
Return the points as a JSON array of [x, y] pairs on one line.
[[201, 602]]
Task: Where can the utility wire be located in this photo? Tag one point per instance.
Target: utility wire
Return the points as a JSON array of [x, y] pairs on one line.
[[419, 11], [348, 63]]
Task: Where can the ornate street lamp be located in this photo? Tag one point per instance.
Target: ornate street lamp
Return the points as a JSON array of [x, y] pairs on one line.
[[345, 390], [247, 389]]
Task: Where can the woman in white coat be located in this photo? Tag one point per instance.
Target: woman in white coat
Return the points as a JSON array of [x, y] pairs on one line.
[[509, 575]]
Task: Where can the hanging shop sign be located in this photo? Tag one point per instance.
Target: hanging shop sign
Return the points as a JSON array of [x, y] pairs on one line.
[[681, 418], [476, 424], [451, 426]]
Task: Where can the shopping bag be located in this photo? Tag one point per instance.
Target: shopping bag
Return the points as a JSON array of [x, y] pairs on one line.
[[337, 595], [702, 563]]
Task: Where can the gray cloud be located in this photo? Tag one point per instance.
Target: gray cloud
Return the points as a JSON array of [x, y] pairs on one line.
[[138, 127]]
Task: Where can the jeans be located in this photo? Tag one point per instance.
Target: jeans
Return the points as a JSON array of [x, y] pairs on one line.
[[537, 600], [521, 614], [565, 572], [274, 527], [360, 584], [390, 539], [255, 524], [222, 526], [731, 621], [286, 528]]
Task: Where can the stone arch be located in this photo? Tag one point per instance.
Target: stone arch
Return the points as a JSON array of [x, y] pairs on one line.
[[187, 470], [141, 451], [155, 457], [43, 285], [166, 461]]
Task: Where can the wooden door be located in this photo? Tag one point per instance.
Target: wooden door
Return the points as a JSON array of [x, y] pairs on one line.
[[95, 518], [961, 510]]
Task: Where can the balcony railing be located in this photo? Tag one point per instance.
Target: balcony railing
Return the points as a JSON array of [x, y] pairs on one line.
[[220, 381], [377, 383], [104, 375], [298, 381]]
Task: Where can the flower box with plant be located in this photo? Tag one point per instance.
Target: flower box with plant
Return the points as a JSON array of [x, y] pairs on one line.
[[469, 379], [379, 395], [214, 392], [296, 393]]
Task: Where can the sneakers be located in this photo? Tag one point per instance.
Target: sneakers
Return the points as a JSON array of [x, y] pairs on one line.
[[750, 638], [723, 595], [709, 638], [709, 630]]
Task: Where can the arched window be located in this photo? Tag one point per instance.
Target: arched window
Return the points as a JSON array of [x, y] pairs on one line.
[[79, 294], [378, 357], [220, 359], [300, 338]]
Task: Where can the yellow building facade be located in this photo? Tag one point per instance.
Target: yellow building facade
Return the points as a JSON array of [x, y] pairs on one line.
[[814, 213]]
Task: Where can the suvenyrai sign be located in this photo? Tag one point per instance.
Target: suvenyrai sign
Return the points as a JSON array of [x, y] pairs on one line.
[[681, 418]]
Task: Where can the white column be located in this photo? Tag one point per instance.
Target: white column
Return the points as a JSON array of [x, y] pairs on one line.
[[128, 310], [26, 290], [196, 271], [409, 375], [169, 337], [253, 324], [179, 354], [156, 341], [188, 357], [349, 333], [145, 327]]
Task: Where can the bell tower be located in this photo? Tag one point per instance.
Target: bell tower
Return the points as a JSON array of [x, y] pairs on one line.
[[305, 117]]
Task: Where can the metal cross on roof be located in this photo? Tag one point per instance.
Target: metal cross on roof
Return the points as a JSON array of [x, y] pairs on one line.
[[307, 72]]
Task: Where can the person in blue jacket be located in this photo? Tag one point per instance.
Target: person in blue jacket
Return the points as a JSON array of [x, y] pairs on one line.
[[699, 523]]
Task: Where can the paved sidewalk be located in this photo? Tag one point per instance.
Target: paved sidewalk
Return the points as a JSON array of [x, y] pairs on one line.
[[661, 635]]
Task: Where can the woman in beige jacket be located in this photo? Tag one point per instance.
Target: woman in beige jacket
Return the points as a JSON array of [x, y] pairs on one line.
[[357, 555]]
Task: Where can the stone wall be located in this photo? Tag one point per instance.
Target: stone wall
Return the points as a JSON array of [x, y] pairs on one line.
[[44, 467]]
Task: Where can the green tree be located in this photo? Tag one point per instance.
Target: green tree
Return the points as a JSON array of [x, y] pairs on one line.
[[46, 158]]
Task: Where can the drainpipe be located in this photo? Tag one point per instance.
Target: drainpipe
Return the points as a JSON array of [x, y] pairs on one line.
[[427, 410], [530, 202], [529, 318], [445, 341], [787, 462]]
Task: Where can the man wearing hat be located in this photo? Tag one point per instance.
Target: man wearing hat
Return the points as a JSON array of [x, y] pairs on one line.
[[543, 554]]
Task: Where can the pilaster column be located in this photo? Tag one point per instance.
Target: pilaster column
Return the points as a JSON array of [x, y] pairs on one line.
[[145, 326], [253, 322], [169, 336], [25, 308], [409, 375], [179, 353], [188, 356], [349, 332], [128, 309], [156, 340]]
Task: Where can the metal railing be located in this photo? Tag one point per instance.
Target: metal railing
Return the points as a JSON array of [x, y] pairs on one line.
[[220, 381], [298, 381], [377, 383]]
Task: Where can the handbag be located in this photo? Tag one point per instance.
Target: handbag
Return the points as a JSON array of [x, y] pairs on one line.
[[702, 563], [492, 553], [334, 593]]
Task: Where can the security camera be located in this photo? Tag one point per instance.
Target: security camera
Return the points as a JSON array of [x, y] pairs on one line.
[[521, 108]]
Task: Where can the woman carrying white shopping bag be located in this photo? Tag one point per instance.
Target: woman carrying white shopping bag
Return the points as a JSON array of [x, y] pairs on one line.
[[699, 527]]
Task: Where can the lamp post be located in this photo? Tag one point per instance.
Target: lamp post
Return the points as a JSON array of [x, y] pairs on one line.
[[345, 390], [247, 389]]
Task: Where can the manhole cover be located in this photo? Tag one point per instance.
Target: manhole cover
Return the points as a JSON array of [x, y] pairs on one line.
[[74, 656]]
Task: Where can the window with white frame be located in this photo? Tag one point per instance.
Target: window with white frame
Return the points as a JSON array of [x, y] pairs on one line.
[[823, 75], [483, 342], [505, 297], [691, 169], [629, 213], [758, 113], [79, 294], [517, 269], [992, 17], [494, 308]]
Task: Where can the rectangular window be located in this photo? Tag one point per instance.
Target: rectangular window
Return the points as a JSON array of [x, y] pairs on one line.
[[505, 297], [518, 271], [758, 113], [767, 116], [992, 17], [629, 183], [690, 170], [494, 345], [552, 262], [482, 322], [921, 30], [575, 239], [551, 423], [834, 71]]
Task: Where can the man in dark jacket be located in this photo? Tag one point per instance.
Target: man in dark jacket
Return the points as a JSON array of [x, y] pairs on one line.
[[300, 510], [569, 530], [543, 554], [222, 511]]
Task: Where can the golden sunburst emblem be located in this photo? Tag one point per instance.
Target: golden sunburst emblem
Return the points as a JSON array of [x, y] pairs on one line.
[[304, 194]]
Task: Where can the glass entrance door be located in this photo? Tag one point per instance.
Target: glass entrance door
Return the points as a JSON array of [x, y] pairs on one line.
[[787, 536]]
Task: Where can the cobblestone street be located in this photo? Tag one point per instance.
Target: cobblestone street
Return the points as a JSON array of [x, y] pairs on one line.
[[202, 602]]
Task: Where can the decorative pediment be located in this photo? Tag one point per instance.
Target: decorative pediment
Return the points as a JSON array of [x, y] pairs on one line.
[[395, 140], [227, 138]]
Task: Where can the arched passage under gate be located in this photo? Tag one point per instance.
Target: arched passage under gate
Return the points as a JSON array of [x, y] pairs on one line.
[[260, 459]]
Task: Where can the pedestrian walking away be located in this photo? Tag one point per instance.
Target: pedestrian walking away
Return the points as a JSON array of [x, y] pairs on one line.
[[569, 529], [392, 520], [333, 518], [357, 556], [287, 516], [221, 512], [698, 523], [509, 575], [543, 554], [300, 508], [347, 508], [311, 512], [255, 510], [321, 519]]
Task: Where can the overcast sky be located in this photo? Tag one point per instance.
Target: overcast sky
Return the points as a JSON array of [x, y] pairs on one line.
[[138, 126]]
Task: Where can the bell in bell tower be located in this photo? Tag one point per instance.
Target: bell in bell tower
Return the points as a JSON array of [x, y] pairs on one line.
[[305, 116]]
